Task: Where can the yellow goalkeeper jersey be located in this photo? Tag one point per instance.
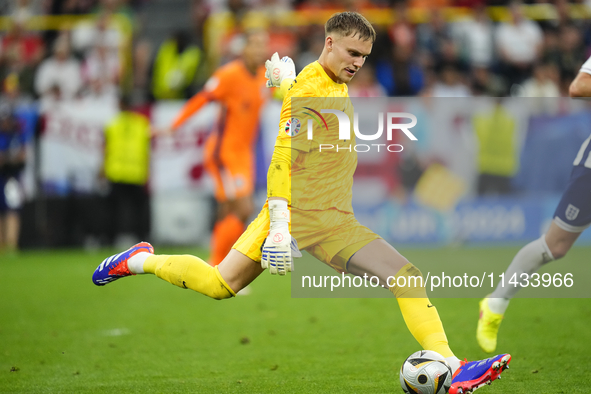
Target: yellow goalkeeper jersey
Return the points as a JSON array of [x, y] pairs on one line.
[[322, 173]]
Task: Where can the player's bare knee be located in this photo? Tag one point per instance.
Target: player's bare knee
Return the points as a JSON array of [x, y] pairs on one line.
[[559, 250], [556, 247]]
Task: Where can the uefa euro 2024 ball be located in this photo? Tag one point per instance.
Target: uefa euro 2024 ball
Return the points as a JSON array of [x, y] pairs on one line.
[[425, 372]]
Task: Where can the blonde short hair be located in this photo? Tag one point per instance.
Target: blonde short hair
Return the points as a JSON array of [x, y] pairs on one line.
[[350, 23]]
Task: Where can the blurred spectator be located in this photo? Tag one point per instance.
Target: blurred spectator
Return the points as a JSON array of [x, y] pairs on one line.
[[52, 100], [225, 22], [401, 74], [564, 17], [497, 149], [59, 76], [101, 31], [11, 90], [432, 36], [314, 5], [571, 52], [449, 56], [519, 43], [238, 8], [449, 84], [120, 7], [142, 56], [427, 4], [485, 83], [102, 66], [282, 39], [24, 9], [175, 67], [550, 46], [402, 32], [126, 168], [365, 85], [12, 163], [313, 44], [14, 73], [542, 83], [475, 38], [97, 93], [71, 7], [22, 46], [200, 12], [273, 8], [65, 7]]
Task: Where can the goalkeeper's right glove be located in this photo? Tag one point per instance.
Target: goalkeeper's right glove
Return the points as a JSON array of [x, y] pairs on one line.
[[279, 248], [278, 70]]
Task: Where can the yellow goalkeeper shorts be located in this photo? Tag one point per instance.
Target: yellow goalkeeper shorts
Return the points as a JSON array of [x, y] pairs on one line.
[[331, 236]]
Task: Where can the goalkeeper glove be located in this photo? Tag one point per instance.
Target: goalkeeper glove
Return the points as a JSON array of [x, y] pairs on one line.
[[278, 70], [279, 248]]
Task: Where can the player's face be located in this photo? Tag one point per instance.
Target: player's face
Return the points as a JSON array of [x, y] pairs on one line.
[[347, 55], [256, 49]]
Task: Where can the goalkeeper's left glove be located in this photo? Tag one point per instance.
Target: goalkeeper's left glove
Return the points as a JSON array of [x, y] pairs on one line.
[[278, 70], [280, 247]]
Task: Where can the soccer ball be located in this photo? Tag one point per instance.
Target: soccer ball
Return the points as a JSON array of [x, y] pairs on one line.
[[425, 372]]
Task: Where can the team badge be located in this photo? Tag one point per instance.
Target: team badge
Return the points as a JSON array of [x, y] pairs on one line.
[[292, 127], [572, 212], [277, 238]]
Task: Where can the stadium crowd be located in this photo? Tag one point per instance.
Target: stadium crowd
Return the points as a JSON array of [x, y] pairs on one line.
[[441, 51]]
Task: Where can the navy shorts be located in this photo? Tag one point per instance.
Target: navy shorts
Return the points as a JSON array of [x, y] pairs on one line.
[[573, 213]]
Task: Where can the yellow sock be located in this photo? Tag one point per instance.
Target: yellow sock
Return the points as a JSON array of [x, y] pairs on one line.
[[420, 315], [189, 272]]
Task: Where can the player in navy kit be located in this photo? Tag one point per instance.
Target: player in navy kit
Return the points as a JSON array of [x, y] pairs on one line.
[[571, 218]]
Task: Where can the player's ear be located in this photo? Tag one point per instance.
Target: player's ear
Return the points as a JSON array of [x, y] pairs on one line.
[[328, 43]]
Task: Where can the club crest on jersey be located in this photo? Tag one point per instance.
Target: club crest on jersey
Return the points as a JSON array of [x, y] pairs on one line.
[[292, 127], [572, 212]]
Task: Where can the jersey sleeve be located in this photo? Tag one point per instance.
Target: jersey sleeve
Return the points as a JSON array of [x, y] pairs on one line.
[[218, 84], [214, 90], [279, 174], [291, 139]]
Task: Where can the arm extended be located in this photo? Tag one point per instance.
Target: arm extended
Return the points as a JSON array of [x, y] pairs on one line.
[[581, 86], [194, 104]]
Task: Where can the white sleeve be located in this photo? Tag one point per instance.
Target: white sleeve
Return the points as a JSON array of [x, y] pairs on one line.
[[586, 67], [74, 82], [43, 78]]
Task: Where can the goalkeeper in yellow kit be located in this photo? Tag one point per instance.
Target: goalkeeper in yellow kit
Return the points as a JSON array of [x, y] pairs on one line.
[[309, 193]]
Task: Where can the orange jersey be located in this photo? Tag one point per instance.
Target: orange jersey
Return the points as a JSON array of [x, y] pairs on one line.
[[241, 96]]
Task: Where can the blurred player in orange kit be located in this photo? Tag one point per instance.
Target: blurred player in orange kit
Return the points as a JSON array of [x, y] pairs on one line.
[[239, 87]]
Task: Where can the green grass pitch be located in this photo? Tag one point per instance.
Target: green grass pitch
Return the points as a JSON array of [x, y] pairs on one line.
[[61, 334]]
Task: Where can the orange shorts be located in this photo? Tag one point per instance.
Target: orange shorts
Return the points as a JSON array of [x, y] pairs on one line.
[[232, 172]]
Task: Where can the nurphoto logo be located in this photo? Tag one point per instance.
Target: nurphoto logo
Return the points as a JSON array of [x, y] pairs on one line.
[[345, 127]]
